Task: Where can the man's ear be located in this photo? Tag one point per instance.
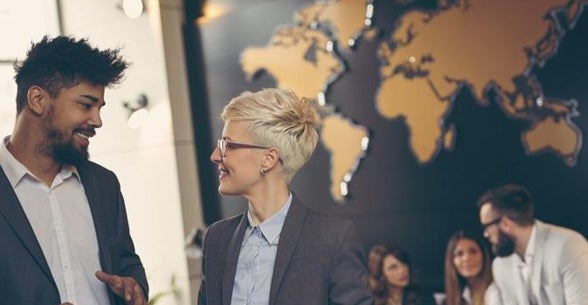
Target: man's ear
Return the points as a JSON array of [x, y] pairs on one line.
[[505, 224], [36, 99]]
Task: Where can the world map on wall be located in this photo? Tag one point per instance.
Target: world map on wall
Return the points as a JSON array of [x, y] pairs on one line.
[[487, 47]]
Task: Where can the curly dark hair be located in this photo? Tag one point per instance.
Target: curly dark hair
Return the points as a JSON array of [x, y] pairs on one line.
[[377, 282], [63, 62]]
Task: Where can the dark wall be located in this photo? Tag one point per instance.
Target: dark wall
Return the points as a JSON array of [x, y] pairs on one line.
[[393, 197]]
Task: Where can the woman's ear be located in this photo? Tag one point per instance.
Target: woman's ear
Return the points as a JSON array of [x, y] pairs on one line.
[[36, 99], [271, 158]]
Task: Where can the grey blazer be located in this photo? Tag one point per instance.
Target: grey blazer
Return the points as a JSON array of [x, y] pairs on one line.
[[319, 261], [25, 278], [559, 273]]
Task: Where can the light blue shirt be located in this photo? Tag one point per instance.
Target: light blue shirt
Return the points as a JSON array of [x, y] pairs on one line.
[[257, 257]]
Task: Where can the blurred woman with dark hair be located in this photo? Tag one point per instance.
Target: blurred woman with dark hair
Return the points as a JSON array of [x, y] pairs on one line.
[[391, 277], [468, 272]]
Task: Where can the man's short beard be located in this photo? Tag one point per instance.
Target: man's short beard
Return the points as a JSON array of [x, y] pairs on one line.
[[505, 245], [68, 154], [62, 150]]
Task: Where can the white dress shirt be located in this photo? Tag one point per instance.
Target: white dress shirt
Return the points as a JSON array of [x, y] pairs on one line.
[[60, 216], [491, 295]]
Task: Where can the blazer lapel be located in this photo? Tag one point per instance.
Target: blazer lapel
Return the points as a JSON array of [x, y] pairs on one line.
[[538, 252], [15, 216], [286, 245], [232, 259], [93, 194]]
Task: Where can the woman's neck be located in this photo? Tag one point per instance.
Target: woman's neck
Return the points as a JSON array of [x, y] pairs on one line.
[[395, 295], [475, 284], [263, 206], [477, 290]]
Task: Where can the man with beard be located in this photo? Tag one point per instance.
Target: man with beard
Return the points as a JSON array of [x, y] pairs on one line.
[[64, 235], [537, 263]]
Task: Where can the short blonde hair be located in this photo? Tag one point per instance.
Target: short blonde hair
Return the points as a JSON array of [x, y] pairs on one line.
[[278, 118]]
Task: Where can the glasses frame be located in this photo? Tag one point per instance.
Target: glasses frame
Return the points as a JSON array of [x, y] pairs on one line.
[[223, 145], [485, 226]]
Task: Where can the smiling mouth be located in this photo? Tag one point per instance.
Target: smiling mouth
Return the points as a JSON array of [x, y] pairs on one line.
[[83, 135], [223, 172], [468, 268]]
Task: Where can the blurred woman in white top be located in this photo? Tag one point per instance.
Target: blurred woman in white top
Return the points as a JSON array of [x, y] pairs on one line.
[[468, 272]]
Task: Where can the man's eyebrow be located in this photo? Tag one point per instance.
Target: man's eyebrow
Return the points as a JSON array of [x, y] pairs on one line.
[[93, 99]]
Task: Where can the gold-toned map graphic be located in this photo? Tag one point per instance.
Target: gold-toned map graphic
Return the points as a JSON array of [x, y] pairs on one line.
[[478, 44]]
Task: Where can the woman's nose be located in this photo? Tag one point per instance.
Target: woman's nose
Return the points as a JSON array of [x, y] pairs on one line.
[[215, 156]]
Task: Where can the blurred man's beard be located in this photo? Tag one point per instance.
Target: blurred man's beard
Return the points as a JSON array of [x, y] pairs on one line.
[[505, 245]]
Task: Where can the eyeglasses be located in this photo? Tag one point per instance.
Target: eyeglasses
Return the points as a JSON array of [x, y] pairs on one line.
[[224, 144], [485, 226]]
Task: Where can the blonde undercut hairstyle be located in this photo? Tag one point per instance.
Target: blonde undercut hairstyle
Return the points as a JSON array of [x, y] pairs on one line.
[[278, 118]]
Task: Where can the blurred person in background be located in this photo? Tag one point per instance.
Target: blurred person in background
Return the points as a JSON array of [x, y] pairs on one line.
[[537, 263], [391, 277], [468, 272]]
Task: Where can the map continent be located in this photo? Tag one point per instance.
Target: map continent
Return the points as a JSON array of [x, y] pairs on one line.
[[302, 58], [487, 47], [427, 68]]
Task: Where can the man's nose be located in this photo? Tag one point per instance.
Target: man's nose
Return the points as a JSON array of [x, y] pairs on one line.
[[486, 235], [95, 119]]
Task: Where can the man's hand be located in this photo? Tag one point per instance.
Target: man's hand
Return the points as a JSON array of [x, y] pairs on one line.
[[125, 287]]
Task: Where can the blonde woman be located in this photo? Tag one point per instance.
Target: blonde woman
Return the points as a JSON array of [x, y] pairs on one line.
[[279, 251]]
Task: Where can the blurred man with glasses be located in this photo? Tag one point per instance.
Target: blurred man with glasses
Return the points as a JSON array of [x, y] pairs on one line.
[[537, 263]]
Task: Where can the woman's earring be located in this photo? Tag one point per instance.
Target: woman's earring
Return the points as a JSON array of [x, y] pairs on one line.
[[262, 172]]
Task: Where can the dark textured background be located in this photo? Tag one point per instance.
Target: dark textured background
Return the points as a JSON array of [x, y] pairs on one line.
[[394, 199]]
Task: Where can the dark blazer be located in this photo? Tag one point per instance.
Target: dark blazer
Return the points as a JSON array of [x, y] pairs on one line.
[[319, 261], [25, 278]]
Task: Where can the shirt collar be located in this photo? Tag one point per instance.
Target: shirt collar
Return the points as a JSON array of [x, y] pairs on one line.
[[271, 227], [529, 251], [15, 170], [531, 245], [466, 295]]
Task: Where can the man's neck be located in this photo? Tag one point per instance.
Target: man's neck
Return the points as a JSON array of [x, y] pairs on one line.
[[522, 240], [43, 167]]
